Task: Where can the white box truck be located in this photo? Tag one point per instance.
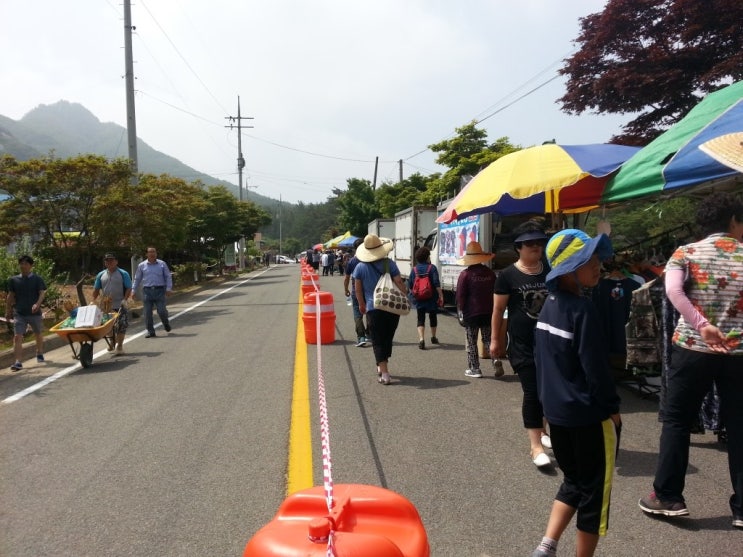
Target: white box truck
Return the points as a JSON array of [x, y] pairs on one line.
[[448, 242], [384, 228], [412, 227]]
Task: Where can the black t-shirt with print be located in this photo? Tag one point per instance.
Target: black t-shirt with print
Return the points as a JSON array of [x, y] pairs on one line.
[[526, 295]]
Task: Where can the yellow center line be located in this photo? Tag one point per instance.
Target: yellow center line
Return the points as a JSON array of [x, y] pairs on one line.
[[299, 471]]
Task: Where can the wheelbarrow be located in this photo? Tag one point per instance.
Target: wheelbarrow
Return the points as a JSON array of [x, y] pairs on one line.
[[86, 336]]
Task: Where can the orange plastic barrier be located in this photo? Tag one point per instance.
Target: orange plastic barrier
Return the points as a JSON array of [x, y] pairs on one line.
[[368, 521], [307, 281], [327, 317]]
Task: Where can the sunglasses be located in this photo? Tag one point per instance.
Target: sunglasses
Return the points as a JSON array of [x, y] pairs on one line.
[[533, 243]]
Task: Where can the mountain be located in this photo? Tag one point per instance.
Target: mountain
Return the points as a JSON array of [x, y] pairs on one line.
[[70, 129]]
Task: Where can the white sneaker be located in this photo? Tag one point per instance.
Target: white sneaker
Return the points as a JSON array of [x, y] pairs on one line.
[[119, 350], [473, 373], [541, 460], [546, 441]]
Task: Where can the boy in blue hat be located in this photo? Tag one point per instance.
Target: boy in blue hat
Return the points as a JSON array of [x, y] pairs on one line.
[[577, 392]]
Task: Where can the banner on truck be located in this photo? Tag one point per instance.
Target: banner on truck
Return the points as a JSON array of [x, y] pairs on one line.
[[454, 237]]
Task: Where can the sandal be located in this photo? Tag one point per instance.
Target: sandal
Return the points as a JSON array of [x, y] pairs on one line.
[[385, 380]]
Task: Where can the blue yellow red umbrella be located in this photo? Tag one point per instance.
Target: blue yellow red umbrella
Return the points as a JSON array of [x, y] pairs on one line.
[[542, 179]]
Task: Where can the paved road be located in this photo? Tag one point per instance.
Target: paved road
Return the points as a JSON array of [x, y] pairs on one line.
[[180, 447]]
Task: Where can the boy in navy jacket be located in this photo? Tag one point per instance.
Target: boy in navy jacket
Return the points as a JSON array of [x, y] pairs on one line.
[[577, 391]]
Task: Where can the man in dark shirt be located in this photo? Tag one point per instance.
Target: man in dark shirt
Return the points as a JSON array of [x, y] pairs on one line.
[[26, 293]]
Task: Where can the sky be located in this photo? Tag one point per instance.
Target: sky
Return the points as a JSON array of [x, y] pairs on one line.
[[330, 84]]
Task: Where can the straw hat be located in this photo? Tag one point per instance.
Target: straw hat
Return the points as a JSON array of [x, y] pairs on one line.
[[374, 248], [726, 149], [473, 255]]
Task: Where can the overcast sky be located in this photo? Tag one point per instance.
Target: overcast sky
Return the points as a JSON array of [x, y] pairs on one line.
[[331, 84]]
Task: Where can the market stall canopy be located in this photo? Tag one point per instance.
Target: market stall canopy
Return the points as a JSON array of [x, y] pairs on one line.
[[331, 244], [347, 242], [318, 246], [543, 179], [673, 159]]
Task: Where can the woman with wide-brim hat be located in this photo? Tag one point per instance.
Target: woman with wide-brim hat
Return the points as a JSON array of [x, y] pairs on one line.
[[373, 263], [521, 289], [475, 302]]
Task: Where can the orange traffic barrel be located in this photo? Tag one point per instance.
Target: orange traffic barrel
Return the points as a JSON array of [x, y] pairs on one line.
[[309, 280], [327, 317], [367, 521]]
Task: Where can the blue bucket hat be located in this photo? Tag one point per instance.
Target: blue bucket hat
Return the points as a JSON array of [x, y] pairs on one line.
[[571, 248]]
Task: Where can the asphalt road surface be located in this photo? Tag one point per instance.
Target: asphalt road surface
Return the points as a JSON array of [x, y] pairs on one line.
[[180, 447]]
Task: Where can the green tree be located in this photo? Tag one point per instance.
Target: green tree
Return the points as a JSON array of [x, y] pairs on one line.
[[158, 211], [465, 155], [55, 200], [653, 58], [356, 207], [391, 198]]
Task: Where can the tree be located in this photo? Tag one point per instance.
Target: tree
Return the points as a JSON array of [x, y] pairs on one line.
[[157, 212], [655, 58], [391, 198], [356, 207], [55, 200], [465, 155]]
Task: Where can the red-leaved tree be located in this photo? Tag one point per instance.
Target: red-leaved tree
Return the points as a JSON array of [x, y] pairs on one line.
[[655, 59]]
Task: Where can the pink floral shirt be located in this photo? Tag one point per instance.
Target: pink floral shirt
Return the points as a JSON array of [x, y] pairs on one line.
[[714, 287]]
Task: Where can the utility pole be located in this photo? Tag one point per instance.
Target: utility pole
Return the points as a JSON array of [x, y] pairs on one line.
[[280, 252], [131, 119], [240, 166], [401, 171], [240, 159], [376, 167]]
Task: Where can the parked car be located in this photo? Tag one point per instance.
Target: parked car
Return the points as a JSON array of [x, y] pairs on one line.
[[284, 259]]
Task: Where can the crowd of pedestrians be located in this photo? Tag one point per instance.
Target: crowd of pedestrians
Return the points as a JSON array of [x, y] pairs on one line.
[[557, 348]]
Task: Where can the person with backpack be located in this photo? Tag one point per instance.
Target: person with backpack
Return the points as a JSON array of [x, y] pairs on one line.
[[426, 293], [475, 303], [116, 285]]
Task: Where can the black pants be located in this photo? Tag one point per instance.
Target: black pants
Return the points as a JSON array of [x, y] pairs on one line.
[[689, 378]]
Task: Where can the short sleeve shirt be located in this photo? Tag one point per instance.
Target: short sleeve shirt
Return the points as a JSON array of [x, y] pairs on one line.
[[26, 290], [113, 285], [369, 273], [526, 295]]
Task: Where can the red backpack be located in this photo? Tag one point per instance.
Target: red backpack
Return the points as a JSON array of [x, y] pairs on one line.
[[422, 285]]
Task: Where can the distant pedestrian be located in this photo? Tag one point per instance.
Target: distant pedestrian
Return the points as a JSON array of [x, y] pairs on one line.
[[26, 292], [331, 262], [349, 288], [424, 268], [116, 285], [475, 302], [577, 391], [154, 276], [324, 262]]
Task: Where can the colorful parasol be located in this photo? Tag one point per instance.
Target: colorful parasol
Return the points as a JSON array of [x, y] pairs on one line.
[[332, 244], [543, 179], [673, 159], [348, 242]]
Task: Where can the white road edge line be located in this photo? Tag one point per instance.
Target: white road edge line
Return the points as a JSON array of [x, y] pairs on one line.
[[66, 371]]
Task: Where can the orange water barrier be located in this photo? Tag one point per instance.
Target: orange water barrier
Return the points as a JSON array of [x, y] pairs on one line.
[[367, 521], [327, 317]]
